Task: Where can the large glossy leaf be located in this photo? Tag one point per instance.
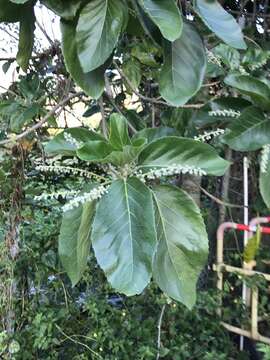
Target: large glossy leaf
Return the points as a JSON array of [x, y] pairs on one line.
[[265, 183], [166, 15], [26, 38], [184, 67], [99, 27], [183, 152], [95, 151], [257, 90], [249, 132], [152, 134], [118, 131], [66, 9], [74, 240], [91, 82], [182, 244], [220, 22], [59, 145], [124, 237]]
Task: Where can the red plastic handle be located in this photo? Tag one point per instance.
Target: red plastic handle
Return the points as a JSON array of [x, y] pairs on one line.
[[263, 229]]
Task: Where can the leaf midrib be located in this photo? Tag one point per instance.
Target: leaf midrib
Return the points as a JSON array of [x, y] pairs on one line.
[[164, 231]]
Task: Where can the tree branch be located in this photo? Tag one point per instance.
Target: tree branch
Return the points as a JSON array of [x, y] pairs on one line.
[[43, 120], [218, 201], [159, 331]]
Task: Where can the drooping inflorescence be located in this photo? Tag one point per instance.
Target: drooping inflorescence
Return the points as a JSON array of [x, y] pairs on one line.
[[169, 171], [70, 139], [63, 193], [208, 135], [225, 112], [57, 169], [212, 58], [265, 158], [92, 195]]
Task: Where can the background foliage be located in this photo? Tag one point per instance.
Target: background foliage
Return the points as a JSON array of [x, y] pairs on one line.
[[147, 64]]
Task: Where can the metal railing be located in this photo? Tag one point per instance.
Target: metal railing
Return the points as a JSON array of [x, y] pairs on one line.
[[220, 267]]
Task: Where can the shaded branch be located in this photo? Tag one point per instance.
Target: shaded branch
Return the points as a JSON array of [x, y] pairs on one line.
[[28, 131]]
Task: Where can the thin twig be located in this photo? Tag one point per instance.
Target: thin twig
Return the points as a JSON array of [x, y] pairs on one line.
[[42, 121], [153, 116], [78, 342], [220, 202], [159, 331], [44, 32], [116, 107], [152, 100], [103, 118]]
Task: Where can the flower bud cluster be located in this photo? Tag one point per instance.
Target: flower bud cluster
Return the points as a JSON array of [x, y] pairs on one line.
[[64, 170], [265, 158], [225, 112], [259, 64], [242, 70], [70, 139], [208, 135], [169, 171], [213, 59], [55, 195], [86, 197]]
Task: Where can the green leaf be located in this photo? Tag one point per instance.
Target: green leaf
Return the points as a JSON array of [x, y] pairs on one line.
[[6, 66], [202, 118], [10, 12], [93, 109], [66, 9], [91, 82], [26, 39], [155, 133], [99, 27], [132, 70], [249, 132], [128, 154], [118, 131], [182, 244], [265, 183], [228, 55], [145, 52], [104, 152], [166, 16], [23, 116], [19, 1], [124, 237], [95, 151], [252, 246], [184, 67], [177, 118], [220, 22], [257, 90], [59, 145], [183, 152], [74, 240], [255, 56]]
